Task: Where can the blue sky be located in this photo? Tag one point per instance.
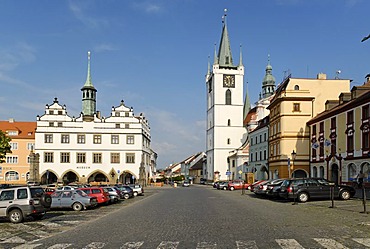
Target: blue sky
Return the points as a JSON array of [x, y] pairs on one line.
[[153, 55]]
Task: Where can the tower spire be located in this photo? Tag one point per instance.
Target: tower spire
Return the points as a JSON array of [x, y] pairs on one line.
[[215, 59], [224, 53], [88, 78], [240, 56], [268, 83]]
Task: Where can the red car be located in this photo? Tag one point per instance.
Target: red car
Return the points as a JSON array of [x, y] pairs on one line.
[[237, 184], [101, 194]]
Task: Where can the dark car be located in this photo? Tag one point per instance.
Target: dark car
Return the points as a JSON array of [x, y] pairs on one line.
[[273, 188], [314, 188], [126, 191]]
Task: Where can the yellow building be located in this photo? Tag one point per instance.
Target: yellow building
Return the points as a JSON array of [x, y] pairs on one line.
[[15, 170], [340, 137], [296, 101]]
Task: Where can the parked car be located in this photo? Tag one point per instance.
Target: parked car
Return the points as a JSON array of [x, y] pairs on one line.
[[19, 202], [222, 185], [113, 194], [186, 184], [253, 185], [310, 188], [237, 184], [138, 190], [75, 199], [216, 184], [49, 190], [101, 194], [126, 191], [273, 188], [65, 188], [261, 188], [203, 181]]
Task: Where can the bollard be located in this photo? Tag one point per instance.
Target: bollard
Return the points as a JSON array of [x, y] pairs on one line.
[[364, 199]]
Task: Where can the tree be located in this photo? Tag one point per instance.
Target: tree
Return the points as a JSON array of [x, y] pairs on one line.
[[4, 146]]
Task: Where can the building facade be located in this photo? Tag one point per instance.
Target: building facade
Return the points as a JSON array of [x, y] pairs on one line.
[[224, 128], [340, 137], [16, 169], [295, 102], [92, 148]]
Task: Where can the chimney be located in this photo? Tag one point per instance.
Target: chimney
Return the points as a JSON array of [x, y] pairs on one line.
[[321, 76]]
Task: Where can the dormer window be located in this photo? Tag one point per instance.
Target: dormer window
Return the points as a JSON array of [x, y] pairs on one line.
[[296, 87], [12, 133]]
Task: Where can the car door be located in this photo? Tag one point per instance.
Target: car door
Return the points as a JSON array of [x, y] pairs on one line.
[[325, 188], [66, 200], [314, 188], [6, 199], [56, 196]]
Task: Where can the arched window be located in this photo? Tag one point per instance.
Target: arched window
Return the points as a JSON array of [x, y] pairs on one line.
[[314, 171], [322, 171], [11, 176], [228, 122], [228, 97], [296, 87]]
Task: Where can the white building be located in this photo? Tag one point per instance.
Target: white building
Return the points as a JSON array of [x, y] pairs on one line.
[[93, 148], [224, 129]]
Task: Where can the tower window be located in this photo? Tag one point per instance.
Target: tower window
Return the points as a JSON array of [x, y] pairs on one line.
[[228, 122], [228, 141], [228, 97], [296, 87], [87, 94], [296, 107]]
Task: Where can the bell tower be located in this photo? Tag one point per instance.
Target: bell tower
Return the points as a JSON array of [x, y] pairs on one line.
[[224, 128], [88, 95]]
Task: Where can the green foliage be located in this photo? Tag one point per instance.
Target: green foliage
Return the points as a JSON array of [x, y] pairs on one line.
[[4, 146]]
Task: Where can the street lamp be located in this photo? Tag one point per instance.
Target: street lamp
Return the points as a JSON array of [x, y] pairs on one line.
[[293, 154]]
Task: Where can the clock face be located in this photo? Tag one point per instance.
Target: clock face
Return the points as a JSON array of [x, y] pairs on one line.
[[229, 80]]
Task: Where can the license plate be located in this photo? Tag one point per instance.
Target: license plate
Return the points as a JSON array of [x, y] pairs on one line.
[[36, 202]]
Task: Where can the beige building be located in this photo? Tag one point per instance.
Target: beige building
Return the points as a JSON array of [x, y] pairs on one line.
[[296, 101], [340, 137], [16, 168]]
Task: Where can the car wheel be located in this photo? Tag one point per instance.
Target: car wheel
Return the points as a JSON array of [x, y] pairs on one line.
[[126, 196], [345, 195], [46, 200], [303, 197], [135, 193], [16, 216], [231, 188], [224, 188], [77, 206]]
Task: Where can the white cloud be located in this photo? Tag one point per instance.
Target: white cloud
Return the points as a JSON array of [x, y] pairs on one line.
[[78, 10], [148, 7], [104, 47], [13, 56]]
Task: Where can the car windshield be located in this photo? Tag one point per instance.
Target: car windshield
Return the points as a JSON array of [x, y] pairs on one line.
[[323, 181], [36, 192]]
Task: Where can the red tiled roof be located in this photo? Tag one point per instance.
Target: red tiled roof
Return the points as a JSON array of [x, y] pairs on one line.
[[24, 129]]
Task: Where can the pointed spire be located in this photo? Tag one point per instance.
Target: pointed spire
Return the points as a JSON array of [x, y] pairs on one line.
[[88, 78], [209, 66], [268, 83], [240, 56], [224, 53], [215, 59], [247, 104]]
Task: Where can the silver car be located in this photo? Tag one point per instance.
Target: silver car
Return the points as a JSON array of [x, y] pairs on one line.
[[138, 190], [75, 199]]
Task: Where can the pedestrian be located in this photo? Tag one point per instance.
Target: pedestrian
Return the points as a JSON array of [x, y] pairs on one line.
[[360, 179]]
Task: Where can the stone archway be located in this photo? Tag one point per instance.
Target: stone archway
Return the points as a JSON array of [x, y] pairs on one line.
[[335, 173], [49, 177], [127, 177], [263, 174], [70, 177], [98, 176], [299, 173]]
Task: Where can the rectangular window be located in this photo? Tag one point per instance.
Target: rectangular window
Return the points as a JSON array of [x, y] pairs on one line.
[[12, 133], [60, 124], [321, 127], [115, 139], [30, 146], [350, 117], [333, 123], [97, 158], [365, 141], [51, 124], [261, 138], [13, 146], [118, 126], [97, 139], [81, 158], [114, 157], [64, 157], [350, 144], [65, 139], [296, 107], [12, 159], [251, 157], [60, 112], [365, 112], [48, 157], [314, 130], [127, 126], [130, 139], [48, 138], [80, 139], [264, 137], [264, 155], [130, 158]]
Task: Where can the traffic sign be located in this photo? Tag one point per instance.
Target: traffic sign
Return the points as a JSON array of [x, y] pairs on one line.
[[228, 173]]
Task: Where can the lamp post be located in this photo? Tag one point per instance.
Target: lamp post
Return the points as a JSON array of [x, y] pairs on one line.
[[293, 154]]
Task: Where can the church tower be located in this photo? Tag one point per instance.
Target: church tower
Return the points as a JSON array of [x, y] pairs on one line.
[[224, 128], [88, 95], [268, 83]]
